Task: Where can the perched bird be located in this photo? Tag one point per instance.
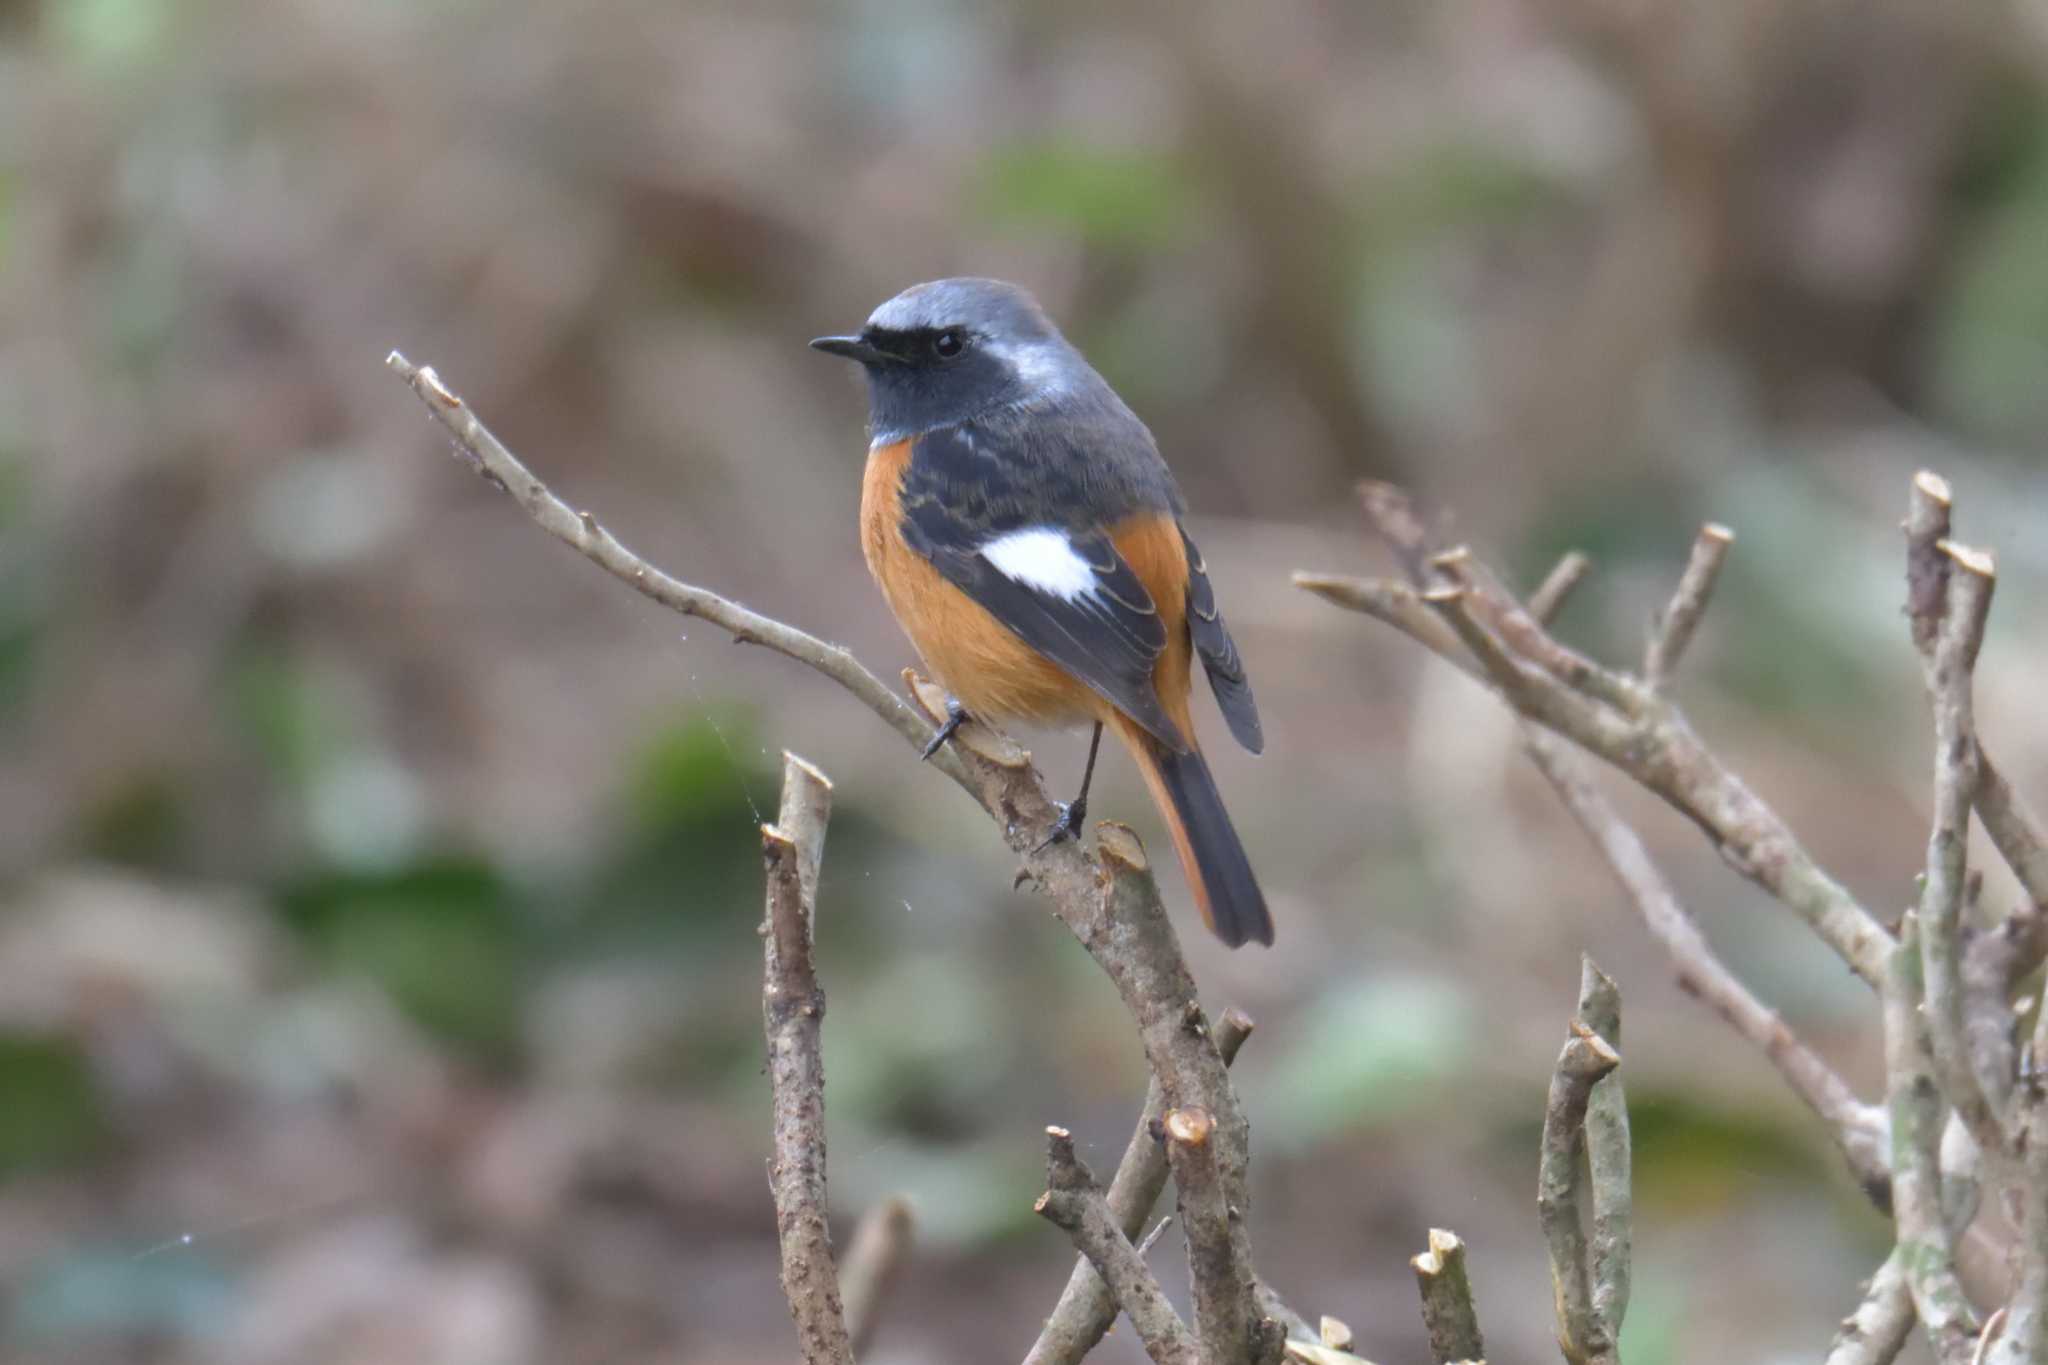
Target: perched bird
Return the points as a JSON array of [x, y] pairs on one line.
[[1027, 536]]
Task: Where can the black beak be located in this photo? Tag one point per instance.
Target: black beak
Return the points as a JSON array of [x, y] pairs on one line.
[[853, 348]]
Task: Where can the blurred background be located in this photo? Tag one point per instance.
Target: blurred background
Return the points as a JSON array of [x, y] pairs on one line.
[[378, 880]]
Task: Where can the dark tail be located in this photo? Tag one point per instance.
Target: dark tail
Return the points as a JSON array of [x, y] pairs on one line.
[[1229, 897]]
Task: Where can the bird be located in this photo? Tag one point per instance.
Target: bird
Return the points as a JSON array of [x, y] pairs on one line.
[[1027, 535]]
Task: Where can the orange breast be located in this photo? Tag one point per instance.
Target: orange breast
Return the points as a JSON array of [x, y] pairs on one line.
[[979, 660]]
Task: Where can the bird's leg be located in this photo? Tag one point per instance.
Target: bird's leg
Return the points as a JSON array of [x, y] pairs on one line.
[[1073, 812], [956, 716]]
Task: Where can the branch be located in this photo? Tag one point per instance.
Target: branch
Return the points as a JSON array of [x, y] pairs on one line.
[[1857, 1128], [2025, 1339], [1959, 635], [1108, 901], [1877, 1331], [1448, 1314], [1607, 1156], [1925, 1245], [1073, 1203], [1616, 718], [1585, 1059], [2025, 1335], [1564, 576], [1085, 1310], [1124, 927], [881, 1244], [1223, 1309], [498, 466], [1674, 630], [793, 1009]]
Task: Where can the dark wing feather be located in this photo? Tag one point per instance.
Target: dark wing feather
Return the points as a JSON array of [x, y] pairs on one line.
[[1218, 653], [1110, 638]]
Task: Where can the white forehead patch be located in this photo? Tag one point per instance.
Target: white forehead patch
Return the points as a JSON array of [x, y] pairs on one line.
[[1042, 559], [907, 312]]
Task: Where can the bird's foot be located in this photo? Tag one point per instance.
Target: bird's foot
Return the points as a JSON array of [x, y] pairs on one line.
[[956, 716], [1068, 826]]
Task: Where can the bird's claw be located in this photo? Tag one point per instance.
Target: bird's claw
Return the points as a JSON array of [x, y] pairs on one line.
[[956, 716], [1068, 826]]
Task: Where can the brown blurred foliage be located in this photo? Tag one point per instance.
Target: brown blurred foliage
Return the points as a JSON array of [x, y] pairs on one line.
[[378, 881]]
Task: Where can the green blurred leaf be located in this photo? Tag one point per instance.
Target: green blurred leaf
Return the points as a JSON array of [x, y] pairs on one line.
[[1447, 186], [1114, 198], [110, 32], [49, 1113], [1363, 1055], [141, 823], [282, 707], [1694, 1157], [1991, 330], [691, 772], [446, 937]]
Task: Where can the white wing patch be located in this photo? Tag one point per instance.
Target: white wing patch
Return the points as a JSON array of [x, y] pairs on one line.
[[1042, 559]]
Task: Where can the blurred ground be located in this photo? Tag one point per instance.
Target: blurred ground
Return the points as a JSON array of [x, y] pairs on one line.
[[377, 882]]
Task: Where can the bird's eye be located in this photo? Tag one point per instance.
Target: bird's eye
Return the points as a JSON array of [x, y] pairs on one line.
[[946, 345]]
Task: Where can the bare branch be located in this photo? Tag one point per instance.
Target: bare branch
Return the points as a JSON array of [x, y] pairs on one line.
[[1674, 630], [1928, 509], [1925, 1244], [1857, 1128], [2025, 1338], [1617, 719], [1224, 1310], [1607, 1156], [793, 1010], [1959, 634], [1585, 1059], [2015, 831], [1316, 1353], [1293, 1325], [1085, 1309], [498, 466], [1073, 1203], [1877, 1331], [1108, 900], [874, 1261], [1448, 1313], [2025, 1334], [1564, 576], [1397, 604]]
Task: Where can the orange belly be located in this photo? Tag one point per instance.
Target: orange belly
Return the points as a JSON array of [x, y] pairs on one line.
[[992, 672]]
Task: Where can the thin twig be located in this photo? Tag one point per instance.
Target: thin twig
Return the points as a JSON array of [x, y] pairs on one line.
[[1959, 635], [1073, 1203], [1857, 1128], [1294, 1326], [1565, 575], [874, 1261], [1448, 1313], [1925, 1244], [488, 456], [1085, 1310], [1585, 1059], [1883, 1321], [1645, 736], [1607, 1156], [793, 1011], [1674, 629]]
